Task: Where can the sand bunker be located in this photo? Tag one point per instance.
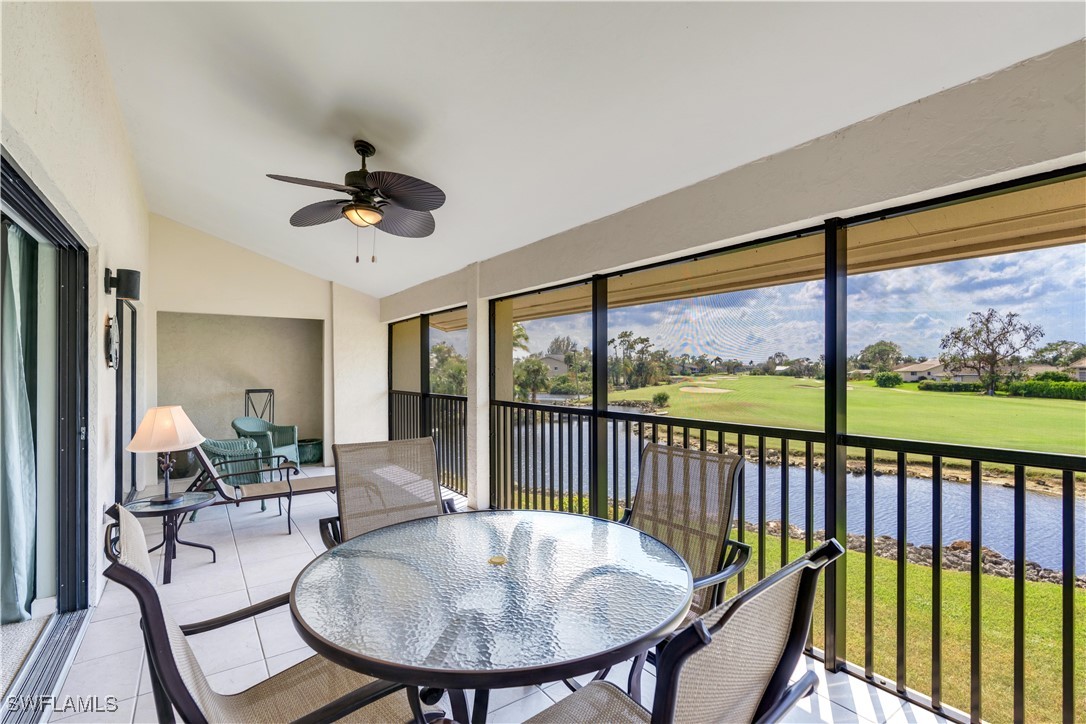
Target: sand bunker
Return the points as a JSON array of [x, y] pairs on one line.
[[705, 390], [719, 377]]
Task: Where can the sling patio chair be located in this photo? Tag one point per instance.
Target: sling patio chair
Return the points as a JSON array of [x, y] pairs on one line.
[[686, 498], [381, 483], [732, 664], [286, 486], [315, 690], [273, 439]]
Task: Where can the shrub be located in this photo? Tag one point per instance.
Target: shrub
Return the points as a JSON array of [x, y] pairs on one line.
[[660, 399], [1043, 388], [1052, 377], [936, 386], [564, 386], [888, 379]]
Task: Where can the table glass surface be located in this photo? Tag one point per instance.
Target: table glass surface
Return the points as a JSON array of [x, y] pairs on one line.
[[426, 594], [185, 500]]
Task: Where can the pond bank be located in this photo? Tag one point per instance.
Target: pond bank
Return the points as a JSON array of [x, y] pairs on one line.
[[957, 556]]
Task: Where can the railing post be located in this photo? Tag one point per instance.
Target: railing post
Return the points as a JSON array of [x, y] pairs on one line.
[[597, 481], [426, 427], [835, 427]]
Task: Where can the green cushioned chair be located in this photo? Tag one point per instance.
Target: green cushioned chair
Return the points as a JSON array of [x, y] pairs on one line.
[[272, 439], [240, 458]]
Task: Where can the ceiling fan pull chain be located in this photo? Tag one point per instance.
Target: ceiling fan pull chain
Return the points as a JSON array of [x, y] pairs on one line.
[[356, 242], [373, 257]]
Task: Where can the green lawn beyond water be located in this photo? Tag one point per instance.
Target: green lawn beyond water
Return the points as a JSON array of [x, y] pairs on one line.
[[1021, 423]]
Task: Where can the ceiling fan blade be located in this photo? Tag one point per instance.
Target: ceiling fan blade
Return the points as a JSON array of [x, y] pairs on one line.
[[406, 222], [319, 213], [317, 184], [406, 191]]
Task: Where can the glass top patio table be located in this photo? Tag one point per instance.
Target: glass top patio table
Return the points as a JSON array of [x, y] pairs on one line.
[[491, 599]]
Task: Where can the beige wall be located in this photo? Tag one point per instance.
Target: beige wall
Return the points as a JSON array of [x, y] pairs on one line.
[[197, 273], [207, 361], [62, 125], [1028, 117], [360, 369]]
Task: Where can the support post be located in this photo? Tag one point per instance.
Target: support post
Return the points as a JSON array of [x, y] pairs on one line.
[[835, 427], [597, 501], [426, 428]]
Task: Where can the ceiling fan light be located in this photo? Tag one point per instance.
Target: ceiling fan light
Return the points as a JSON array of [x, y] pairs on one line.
[[363, 214]]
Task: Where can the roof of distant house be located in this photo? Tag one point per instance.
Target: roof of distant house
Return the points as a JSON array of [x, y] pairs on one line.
[[919, 366], [1079, 364]]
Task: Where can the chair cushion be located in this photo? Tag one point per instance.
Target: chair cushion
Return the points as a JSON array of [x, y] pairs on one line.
[[279, 487], [597, 701]]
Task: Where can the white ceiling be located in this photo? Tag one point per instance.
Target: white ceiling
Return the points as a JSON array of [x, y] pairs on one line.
[[534, 118]]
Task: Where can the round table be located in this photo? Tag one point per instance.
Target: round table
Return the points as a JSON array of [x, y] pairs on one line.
[[491, 599], [171, 513]]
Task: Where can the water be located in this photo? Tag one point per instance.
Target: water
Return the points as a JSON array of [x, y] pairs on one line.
[[1044, 515]]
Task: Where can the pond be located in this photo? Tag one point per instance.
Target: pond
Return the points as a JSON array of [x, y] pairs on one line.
[[1044, 527]]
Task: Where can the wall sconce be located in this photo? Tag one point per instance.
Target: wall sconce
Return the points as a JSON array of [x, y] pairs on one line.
[[125, 281]]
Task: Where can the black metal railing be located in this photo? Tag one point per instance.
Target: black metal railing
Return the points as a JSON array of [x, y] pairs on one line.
[[448, 419], [902, 622], [442, 417]]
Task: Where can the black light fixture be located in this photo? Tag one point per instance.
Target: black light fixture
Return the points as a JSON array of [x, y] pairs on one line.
[[125, 281]]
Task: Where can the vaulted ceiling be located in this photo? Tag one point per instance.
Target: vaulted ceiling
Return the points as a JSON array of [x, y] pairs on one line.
[[534, 118]]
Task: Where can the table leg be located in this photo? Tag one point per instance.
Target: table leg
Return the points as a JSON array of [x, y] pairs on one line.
[[177, 536], [459, 705], [170, 524], [480, 706]]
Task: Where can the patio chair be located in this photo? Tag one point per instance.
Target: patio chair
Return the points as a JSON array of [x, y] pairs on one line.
[[286, 487], [273, 439], [686, 499], [732, 664], [381, 483], [240, 456], [315, 690]]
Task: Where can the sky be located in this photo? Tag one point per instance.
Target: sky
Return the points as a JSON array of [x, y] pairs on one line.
[[913, 307]]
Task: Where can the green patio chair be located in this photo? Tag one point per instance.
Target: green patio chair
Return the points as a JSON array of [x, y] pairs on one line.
[[240, 458], [273, 439]]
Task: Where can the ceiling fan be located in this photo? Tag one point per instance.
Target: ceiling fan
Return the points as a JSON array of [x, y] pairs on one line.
[[392, 202]]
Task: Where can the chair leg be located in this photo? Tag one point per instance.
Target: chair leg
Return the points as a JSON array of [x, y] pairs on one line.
[[290, 505], [280, 505], [633, 686], [163, 706]]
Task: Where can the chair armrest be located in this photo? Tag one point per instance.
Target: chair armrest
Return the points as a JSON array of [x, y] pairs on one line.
[[331, 533], [349, 703], [626, 515], [263, 440], [792, 695], [239, 615], [735, 559], [284, 434], [448, 505], [256, 458]]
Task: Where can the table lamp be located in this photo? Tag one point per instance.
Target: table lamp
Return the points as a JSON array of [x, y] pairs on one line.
[[165, 430]]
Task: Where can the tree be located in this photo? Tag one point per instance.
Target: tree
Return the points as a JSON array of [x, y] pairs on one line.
[[880, 356], [448, 370], [532, 376], [1059, 354], [561, 346], [520, 337], [990, 343]]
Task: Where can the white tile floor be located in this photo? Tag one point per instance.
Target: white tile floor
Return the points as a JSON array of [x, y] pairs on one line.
[[256, 560]]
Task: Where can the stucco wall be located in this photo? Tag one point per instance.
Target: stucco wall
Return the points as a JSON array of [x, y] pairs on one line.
[[1029, 117], [197, 273], [62, 125], [207, 361]]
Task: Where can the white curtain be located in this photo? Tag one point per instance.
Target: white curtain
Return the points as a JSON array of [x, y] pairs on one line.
[[18, 478]]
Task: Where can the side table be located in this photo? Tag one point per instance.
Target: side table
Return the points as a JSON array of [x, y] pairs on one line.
[[171, 513]]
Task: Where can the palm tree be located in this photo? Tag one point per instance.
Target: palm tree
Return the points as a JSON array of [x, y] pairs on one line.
[[520, 337], [532, 375]]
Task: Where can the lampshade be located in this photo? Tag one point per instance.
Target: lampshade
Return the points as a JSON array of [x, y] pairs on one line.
[[165, 429], [363, 214]]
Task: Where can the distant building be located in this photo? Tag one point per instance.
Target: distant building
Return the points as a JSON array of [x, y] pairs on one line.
[[1034, 370], [556, 364], [930, 370], [782, 369], [1077, 370]]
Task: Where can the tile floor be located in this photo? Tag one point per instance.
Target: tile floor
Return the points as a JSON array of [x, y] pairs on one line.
[[256, 560]]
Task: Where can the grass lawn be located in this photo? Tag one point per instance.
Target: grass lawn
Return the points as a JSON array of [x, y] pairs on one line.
[[1044, 631], [1022, 423]]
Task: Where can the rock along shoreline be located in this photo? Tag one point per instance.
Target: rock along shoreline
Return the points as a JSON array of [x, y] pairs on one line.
[[957, 556]]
